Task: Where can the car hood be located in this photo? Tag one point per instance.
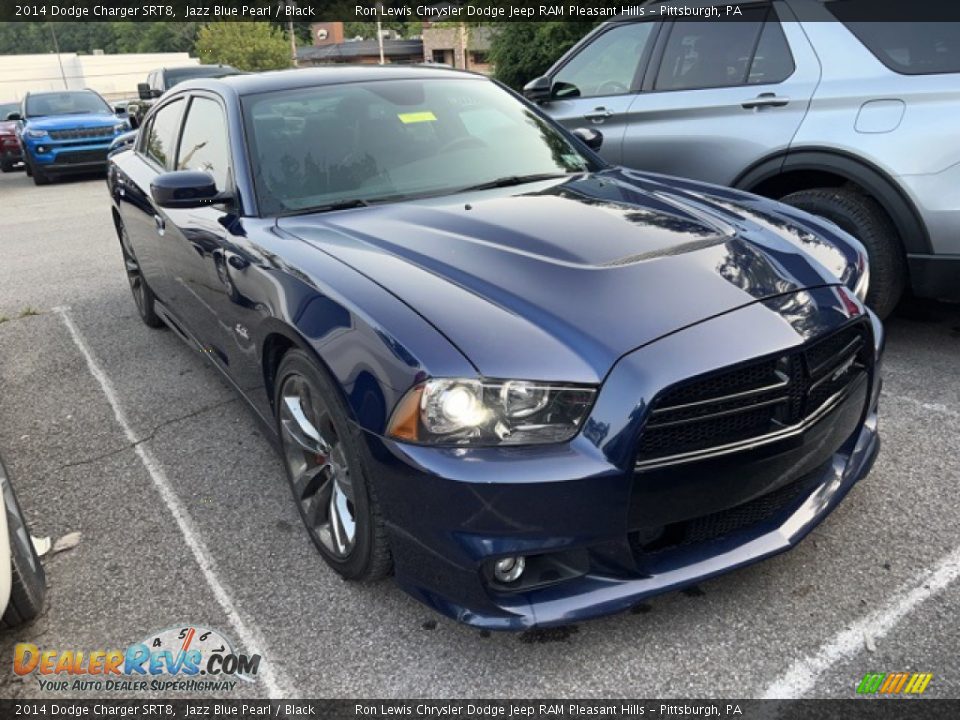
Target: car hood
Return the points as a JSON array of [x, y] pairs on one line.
[[60, 122], [7, 127], [557, 280]]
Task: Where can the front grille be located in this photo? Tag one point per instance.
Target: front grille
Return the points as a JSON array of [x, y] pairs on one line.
[[752, 401], [75, 157], [82, 133]]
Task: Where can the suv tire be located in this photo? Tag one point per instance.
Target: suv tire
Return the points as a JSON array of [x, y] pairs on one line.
[[39, 176], [864, 218]]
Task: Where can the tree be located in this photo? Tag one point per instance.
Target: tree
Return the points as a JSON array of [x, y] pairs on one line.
[[245, 45], [522, 51]]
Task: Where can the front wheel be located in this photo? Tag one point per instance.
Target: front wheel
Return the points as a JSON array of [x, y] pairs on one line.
[[6, 166], [864, 218], [326, 470], [28, 586], [39, 176]]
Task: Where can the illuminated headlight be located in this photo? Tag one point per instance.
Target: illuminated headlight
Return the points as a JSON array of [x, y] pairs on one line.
[[36, 133], [490, 412]]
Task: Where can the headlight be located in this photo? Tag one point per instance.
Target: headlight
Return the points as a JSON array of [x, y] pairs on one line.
[[120, 127], [490, 412], [36, 133]]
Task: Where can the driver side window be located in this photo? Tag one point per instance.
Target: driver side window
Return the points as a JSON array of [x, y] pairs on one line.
[[607, 65]]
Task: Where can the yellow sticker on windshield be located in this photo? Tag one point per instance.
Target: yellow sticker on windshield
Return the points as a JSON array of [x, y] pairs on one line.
[[407, 118]]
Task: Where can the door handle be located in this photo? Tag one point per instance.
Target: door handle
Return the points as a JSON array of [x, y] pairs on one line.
[[160, 223], [768, 99], [598, 115]]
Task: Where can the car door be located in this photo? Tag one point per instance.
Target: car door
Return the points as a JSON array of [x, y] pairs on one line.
[[595, 87], [199, 249], [144, 221], [720, 96]]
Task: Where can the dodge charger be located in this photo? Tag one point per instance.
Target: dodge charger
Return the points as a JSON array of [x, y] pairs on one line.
[[533, 386]]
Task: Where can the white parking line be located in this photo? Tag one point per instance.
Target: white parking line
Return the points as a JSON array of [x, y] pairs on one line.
[[939, 408], [803, 674], [248, 634]]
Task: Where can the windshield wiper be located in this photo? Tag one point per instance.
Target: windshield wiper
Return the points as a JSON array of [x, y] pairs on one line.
[[330, 207], [511, 180]]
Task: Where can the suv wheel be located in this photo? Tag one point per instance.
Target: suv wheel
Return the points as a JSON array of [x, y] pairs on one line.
[[862, 217], [39, 176], [6, 166]]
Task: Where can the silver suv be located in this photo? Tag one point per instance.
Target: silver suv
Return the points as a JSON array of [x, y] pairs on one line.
[[798, 100]]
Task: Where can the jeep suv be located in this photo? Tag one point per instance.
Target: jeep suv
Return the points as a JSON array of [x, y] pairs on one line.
[[66, 132], [797, 100]]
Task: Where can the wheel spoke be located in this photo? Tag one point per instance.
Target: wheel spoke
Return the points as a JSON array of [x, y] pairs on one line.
[[311, 481], [299, 429]]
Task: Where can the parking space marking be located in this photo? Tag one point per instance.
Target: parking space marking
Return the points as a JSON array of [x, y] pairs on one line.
[[248, 634], [932, 407], [803, 674]]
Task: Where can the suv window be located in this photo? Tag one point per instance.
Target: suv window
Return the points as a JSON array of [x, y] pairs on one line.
[[203, 145], [160, 137], [908, 48], [607, 65], [772, 62], [710, 54]]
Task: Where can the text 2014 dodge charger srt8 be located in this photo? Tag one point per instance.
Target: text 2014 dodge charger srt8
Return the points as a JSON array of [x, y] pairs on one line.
[[536, 387]]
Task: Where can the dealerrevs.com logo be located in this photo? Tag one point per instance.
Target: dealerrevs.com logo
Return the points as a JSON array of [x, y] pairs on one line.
[[188, 658]]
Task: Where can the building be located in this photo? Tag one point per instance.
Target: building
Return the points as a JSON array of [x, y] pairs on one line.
[[459, 46], [456, 45], [113, 76]]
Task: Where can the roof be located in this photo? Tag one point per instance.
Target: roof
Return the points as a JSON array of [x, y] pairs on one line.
[[361, 48], [323, 75]]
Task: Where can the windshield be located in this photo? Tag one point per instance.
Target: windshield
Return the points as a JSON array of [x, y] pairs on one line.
[[66, 103], [7, 108], [200, 71], [319, 146]]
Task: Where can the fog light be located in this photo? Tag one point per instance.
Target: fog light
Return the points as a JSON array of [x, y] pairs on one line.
[[509, 569], [41, 149]]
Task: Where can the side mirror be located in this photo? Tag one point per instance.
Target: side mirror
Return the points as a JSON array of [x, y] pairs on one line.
[[13, 116], [120, 111], [593, 139], [539, 89], [144, 91], [186, 189]]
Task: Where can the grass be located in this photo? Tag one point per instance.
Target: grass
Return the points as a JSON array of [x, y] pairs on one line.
[[28, 311]]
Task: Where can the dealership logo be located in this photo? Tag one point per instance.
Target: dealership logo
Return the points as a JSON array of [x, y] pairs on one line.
[[189, 657], [897, 683]]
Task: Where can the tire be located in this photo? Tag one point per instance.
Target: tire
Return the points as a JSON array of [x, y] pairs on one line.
[[142, 294], [39, 176], [29, 580], [332, 473], [864, 218], [6, 167], [27, 168]]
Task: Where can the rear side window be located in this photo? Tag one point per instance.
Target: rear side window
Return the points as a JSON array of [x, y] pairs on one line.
[[161, 135], [772, 62], [908, 48], [710, 54]]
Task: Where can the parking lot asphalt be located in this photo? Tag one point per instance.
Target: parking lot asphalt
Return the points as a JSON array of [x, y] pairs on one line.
[[127, 435]]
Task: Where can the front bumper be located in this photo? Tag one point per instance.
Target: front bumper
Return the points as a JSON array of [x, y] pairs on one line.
[[57, 157], [578, 510]]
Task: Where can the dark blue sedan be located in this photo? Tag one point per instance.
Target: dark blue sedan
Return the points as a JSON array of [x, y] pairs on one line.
[[533, 386]]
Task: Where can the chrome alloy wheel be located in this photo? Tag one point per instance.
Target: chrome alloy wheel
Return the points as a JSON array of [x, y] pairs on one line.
[[317, 467]]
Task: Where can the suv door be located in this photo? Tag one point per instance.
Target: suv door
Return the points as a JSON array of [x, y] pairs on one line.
[[596, 86], [720, 96]]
